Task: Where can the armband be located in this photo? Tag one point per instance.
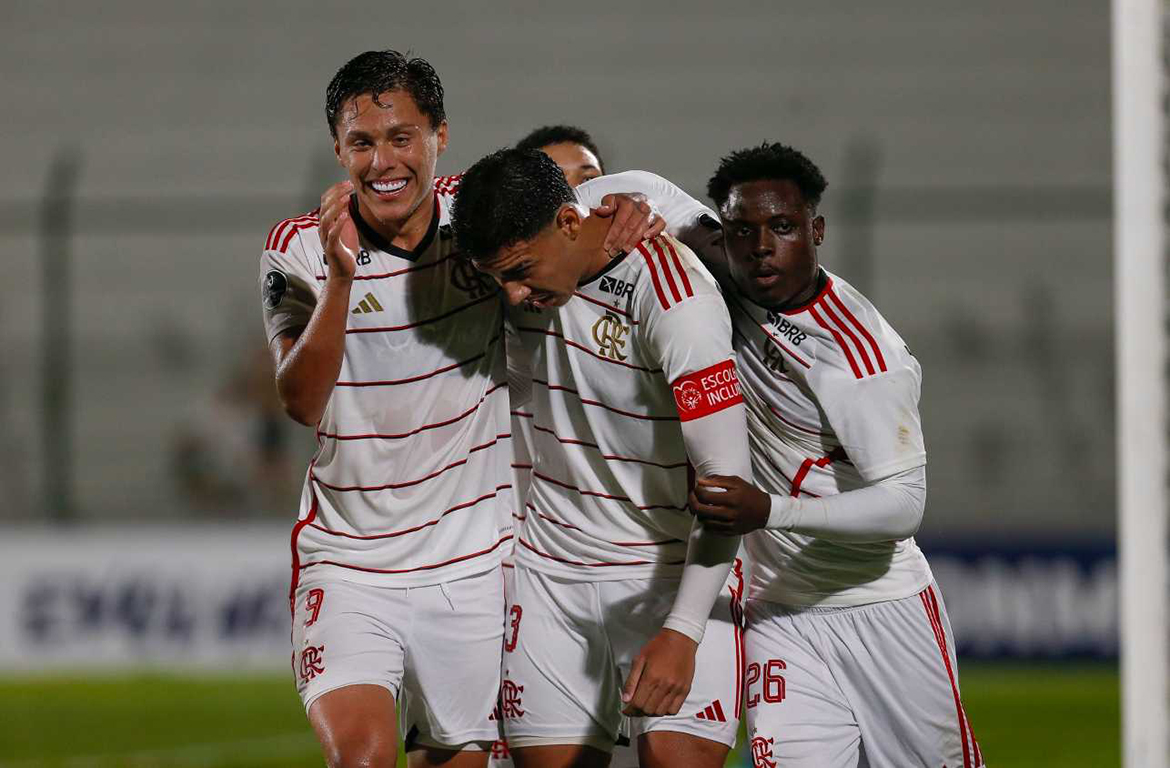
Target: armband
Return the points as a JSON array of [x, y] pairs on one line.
[[707, 391]]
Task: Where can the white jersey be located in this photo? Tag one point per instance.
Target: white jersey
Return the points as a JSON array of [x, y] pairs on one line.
[[414, 448], [832, 395], [638, 347]]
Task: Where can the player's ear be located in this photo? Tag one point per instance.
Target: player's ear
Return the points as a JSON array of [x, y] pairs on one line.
[[818, 230], [569, 220], [442, 134], [337, 151]]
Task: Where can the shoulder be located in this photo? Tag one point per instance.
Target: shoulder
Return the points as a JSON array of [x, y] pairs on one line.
[[283, 233], [293, 244], [670, 274], [855, 338]]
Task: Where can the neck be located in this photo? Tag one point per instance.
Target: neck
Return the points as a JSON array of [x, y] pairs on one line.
[[407, 233], [804, 295], [589, 248]]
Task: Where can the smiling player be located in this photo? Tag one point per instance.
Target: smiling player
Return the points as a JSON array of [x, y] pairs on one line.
[[391, 347]]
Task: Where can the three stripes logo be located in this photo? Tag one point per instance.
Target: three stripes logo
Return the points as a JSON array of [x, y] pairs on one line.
[[713, 711], [367, 305]]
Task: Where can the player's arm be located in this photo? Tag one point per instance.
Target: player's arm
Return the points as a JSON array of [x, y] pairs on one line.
[[686, 218], [876, 419], [693, 339], [308, 359], [889, 510]]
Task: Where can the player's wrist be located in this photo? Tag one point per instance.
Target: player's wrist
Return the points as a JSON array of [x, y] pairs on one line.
[[780, 514], [338, 280], [678, 631]]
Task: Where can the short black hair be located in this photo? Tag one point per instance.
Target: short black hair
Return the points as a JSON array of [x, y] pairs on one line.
[[560, 134], [375, 73], [508, 196], [767, 161]]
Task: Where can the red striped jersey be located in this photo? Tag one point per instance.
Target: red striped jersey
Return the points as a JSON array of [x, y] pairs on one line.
[[610, 474], [832, 397], [412, 465]]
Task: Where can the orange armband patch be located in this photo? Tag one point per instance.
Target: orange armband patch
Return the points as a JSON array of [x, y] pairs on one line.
[[707, 391]]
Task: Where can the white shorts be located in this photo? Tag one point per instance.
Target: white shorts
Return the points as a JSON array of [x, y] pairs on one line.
[[568, 647], [436, 648], [872, 685]]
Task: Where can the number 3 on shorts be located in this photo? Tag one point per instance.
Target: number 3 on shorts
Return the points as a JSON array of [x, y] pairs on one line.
[[510, 644]]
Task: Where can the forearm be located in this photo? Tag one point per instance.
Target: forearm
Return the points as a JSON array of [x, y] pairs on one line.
[[716, 444], [889, 510], [308, 371]]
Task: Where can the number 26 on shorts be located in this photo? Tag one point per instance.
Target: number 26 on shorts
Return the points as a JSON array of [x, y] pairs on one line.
[[772, 684]]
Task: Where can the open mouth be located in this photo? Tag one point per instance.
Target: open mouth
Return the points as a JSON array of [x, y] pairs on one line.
[[387, 189]]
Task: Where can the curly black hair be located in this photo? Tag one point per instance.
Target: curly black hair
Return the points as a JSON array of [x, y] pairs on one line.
[[560, 134], [508, 196], [375, 73], [767, 161]]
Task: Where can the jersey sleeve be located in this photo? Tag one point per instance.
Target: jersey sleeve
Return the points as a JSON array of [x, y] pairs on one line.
[[688, 332], [870, 392], [288, 277], [679, 210]]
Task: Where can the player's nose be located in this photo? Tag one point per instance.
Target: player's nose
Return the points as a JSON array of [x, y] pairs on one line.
[[516, 293], [383, 158], [763, 244]]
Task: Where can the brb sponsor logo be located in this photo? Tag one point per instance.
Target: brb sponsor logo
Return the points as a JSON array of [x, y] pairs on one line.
[[707, 391], [786, 329], [619, 288]]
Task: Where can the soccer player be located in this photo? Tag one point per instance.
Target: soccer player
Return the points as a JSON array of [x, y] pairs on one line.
[[392, 348], [633, 377], [570, 147], [850, 655]]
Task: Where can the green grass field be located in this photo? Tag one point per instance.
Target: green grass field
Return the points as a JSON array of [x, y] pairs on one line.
[[1047, 715]]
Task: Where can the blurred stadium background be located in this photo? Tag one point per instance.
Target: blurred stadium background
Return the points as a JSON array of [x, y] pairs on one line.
[[150, 480]]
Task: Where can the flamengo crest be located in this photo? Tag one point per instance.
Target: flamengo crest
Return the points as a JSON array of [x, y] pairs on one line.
[[609, 333]]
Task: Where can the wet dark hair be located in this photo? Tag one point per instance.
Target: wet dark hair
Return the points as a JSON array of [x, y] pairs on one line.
[[506, 197], [773, 161], [375, 73], [560, 134]]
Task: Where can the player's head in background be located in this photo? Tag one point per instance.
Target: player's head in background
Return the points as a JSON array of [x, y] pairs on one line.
[[767, 197], [570, 147], [517, 219], [385, 112]]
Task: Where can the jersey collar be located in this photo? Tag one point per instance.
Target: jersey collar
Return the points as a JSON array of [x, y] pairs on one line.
[[371, 235]]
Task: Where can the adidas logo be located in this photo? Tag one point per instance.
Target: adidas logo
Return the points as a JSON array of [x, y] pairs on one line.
[[367, 305], [714, 711]]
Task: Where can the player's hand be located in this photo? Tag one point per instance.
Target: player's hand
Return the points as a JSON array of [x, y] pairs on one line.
[[729, 505], [660, 677], [634, 219], [338, 232]]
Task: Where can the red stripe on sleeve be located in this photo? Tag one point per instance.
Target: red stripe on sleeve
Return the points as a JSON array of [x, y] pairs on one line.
[[877, 350], [840, 341], [852, 337], [805, 466], [288, 238], [275, 234], [653, 275], [666, 271], [686, 281]]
